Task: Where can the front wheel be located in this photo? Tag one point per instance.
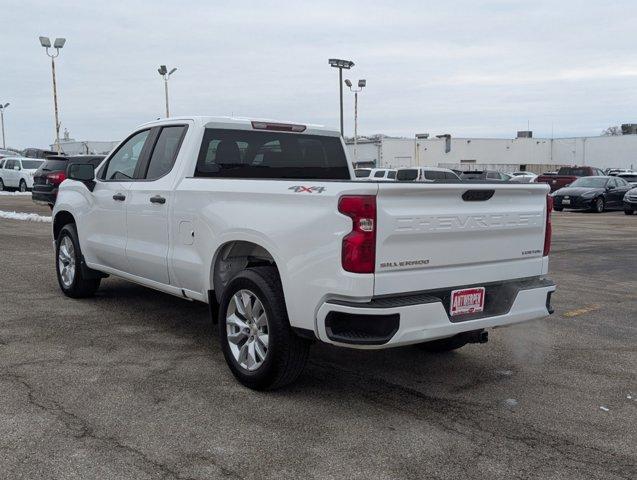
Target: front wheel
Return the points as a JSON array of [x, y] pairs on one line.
[[1, 185], [23, 186], [558, 209], [598, 205], [257, 341], [628, 211], [70, 275]]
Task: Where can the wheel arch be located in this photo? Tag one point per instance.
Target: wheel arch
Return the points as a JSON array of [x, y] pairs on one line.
[[233, 256], [62, 218]]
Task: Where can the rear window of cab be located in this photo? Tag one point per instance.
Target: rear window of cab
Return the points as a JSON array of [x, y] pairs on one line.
[[270, 155]]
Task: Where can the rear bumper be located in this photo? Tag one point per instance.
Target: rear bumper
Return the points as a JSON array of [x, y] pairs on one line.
[[393, 321], [44, 194]]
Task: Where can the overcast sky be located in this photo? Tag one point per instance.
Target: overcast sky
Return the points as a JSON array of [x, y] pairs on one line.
[[467, 68]]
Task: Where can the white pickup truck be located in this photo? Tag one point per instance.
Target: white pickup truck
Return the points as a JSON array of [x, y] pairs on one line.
[[264, 222]]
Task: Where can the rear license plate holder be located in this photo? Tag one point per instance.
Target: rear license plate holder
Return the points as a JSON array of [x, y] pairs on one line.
[[466, 301]]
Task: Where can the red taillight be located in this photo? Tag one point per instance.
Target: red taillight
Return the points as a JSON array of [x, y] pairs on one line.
[[549, 228], [359, 246], [55, 178]]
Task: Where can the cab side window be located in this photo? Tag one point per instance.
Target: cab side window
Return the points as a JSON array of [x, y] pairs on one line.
[[379, 174], [165, 152], [121, 165]]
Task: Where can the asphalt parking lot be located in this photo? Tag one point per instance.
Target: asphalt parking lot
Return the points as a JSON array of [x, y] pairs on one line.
[[132, 385]]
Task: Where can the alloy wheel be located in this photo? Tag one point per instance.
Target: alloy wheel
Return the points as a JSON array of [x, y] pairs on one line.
[[247, 330], [66, 261]]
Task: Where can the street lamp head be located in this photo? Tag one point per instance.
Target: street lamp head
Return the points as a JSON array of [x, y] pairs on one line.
[[172, 71], [162, 70], [348, 82], [338, 63], [45, 42], [362, 83], [59, 42]]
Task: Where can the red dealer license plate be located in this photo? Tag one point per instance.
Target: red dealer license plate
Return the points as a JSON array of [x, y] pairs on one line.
[[469, 300]]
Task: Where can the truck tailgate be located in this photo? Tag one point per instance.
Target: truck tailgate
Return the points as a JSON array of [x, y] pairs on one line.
[[444, 235]]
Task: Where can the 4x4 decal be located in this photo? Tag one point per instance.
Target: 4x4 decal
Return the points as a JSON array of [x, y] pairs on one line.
[[304, 189]]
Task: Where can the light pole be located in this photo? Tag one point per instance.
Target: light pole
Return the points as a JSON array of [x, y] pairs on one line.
[[58, 44], [2, 107], [361, 84], [163, 71], [341, 64]]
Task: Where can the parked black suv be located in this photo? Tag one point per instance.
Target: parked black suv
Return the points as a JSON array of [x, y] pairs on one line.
[[48, 177], [38, 153]]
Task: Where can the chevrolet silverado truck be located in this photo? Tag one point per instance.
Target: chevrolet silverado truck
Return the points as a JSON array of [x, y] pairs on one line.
[[567, 175], [264, 221]]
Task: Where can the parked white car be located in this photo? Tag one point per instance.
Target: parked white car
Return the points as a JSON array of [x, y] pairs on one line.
[[425, 174], [264, 222], [630, 177], [17, 172], [375, 174], [522, 177]]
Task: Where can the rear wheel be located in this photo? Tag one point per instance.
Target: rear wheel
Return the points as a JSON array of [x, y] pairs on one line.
[[628, 211], [257, 341], [598, 205], [23, 186], [558, 209], [71, 276]]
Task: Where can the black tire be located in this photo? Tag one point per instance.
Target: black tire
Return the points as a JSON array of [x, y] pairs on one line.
[[79, 287], [443, 345], [628, 211], [558, 209], [23, 186], [598, 205], [1, 185], [287, 353]]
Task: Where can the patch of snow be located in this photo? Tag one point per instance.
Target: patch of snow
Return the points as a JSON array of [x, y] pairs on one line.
[[4, 192], [506, 373], [511, 402], [603, 408], [29, 217]]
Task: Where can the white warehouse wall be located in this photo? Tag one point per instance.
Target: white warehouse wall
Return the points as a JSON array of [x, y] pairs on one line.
[[602, 152]]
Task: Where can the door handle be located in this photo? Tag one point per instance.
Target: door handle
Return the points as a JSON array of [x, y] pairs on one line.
[[119, 197], [157, 199]]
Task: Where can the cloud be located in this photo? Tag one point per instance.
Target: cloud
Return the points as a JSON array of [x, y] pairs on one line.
[[466, 68]]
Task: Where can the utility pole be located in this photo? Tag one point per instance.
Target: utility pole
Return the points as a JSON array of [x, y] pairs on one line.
[[163, 71], [58, 44], [340, 64], [361, 85], [2, 107]]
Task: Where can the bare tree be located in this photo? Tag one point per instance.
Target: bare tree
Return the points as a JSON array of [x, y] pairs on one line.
[[612, 131]]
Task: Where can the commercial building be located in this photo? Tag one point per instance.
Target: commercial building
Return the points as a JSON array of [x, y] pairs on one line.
[[70, 146], [521, 153]]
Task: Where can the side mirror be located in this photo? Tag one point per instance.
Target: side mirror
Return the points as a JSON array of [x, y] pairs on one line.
[[82, 172], [16, 167], [610, 187]]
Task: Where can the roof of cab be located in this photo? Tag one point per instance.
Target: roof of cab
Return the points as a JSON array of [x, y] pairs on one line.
[[242, 123]]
